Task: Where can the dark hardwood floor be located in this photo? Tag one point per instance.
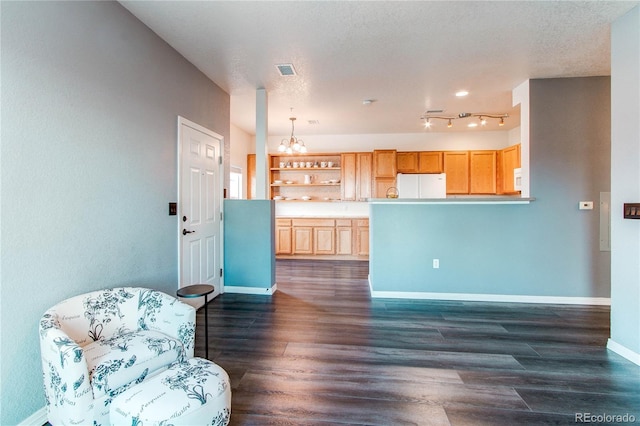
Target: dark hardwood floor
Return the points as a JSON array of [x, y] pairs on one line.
[[321, 352]]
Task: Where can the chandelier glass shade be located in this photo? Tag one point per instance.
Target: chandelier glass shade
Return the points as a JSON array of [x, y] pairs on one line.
[[293, 145]]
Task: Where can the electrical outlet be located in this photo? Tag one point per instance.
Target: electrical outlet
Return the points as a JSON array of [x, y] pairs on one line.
[[436, 263]]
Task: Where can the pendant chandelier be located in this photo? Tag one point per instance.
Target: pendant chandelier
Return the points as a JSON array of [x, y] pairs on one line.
[[293, 145]]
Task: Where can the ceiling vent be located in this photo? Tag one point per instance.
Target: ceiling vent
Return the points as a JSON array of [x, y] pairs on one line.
[[435, 111], [313, 122], [286, 70]]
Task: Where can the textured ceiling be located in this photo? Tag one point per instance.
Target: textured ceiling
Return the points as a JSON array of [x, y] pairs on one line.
[[407, 56]]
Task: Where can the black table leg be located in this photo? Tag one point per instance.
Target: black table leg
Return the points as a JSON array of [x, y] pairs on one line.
[[206, 329]]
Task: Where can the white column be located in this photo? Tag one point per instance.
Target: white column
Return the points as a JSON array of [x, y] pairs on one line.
[[261, 145]]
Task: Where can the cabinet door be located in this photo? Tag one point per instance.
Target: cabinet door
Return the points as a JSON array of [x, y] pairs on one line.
[[364, 166], [251, 176], [362, 238], [324, 240], [344, 240], [407, 162], [456, 166], [381, 186], [384, 163], [510, 160], [349, 177], [430, 162], [302, 240], [283, 240], [482, 172]]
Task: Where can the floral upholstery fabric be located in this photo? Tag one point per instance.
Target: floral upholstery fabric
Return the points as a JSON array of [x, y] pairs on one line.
[[124, 358], [97, 345], [196, 392]]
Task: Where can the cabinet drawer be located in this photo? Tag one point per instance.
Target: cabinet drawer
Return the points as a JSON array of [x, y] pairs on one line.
[[313, 222], [343, 222], [363, 222], [283, 222]]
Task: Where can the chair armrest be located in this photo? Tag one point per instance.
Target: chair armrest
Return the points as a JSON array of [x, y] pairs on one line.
[[166, 314], [65, 373]]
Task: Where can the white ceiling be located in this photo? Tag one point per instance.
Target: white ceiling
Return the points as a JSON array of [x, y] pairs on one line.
[[408, 56]]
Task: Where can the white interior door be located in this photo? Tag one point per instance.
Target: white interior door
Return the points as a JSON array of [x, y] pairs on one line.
[[200, 198]]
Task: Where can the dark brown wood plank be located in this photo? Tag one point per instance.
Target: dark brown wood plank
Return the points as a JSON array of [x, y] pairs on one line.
[[321, 352]]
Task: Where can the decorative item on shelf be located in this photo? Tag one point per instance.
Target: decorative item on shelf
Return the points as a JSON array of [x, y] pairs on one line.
[[308, 179], [293, 145], [393, 192], [482, 117]]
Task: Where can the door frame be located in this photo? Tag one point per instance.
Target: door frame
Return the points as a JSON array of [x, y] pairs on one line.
[[183, 121]]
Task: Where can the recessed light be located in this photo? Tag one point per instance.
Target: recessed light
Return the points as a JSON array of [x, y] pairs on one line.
[[462, 93]]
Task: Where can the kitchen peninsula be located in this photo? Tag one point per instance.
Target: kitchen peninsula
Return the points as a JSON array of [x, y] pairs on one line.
[[323, 199]]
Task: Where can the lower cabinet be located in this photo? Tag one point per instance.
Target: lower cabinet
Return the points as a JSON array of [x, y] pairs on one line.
[[323, 238]]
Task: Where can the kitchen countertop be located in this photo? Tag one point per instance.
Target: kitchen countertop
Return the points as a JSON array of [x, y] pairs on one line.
[[454, 200]]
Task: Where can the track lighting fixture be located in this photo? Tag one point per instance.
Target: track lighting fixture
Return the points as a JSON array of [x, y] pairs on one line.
[[481, 116]]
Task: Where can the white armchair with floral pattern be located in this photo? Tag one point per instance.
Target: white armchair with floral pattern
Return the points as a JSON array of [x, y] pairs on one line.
[[97, 345]]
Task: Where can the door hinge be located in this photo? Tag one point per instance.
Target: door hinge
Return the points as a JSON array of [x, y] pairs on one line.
[[220, 160], [220, 271], [221, 216]]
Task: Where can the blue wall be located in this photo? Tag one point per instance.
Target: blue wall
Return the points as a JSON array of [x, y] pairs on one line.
[[249, 247], [546, 248]]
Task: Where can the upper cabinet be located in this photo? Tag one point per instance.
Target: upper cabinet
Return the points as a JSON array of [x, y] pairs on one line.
[[508, 161], [407, 162], [356, 176], [384, 171], [456, 166], [384, 163], [420, 162], [430, 162], [482, 172]]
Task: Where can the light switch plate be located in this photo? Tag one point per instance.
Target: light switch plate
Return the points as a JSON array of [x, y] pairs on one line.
[[586, 205]]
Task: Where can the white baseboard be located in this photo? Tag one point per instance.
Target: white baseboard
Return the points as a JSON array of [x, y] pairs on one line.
[[623, 351], [554, 300], [251, 290], [38, 418]]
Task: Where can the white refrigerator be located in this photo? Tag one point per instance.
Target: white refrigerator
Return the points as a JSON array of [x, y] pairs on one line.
[[422, 185]]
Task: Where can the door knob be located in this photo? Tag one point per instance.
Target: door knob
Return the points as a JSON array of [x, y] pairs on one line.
[[185, 232]]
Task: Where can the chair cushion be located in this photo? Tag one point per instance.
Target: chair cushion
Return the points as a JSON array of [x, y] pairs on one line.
[[129, 357], [195, 392]]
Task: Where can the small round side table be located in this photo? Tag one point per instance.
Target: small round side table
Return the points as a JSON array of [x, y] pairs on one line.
[[199, 290]]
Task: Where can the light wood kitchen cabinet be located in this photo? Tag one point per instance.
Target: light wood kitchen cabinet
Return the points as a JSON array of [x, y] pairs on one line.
[[384, 171], [302, 240], [356, 176], [482, 166], [384, 163], [283, 236], [508, 160], [456, 166], [430, 162], [322, 238], [362, 237], [344, 237], [420, 162], [382, 185], [251, 176], [407, 162]]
